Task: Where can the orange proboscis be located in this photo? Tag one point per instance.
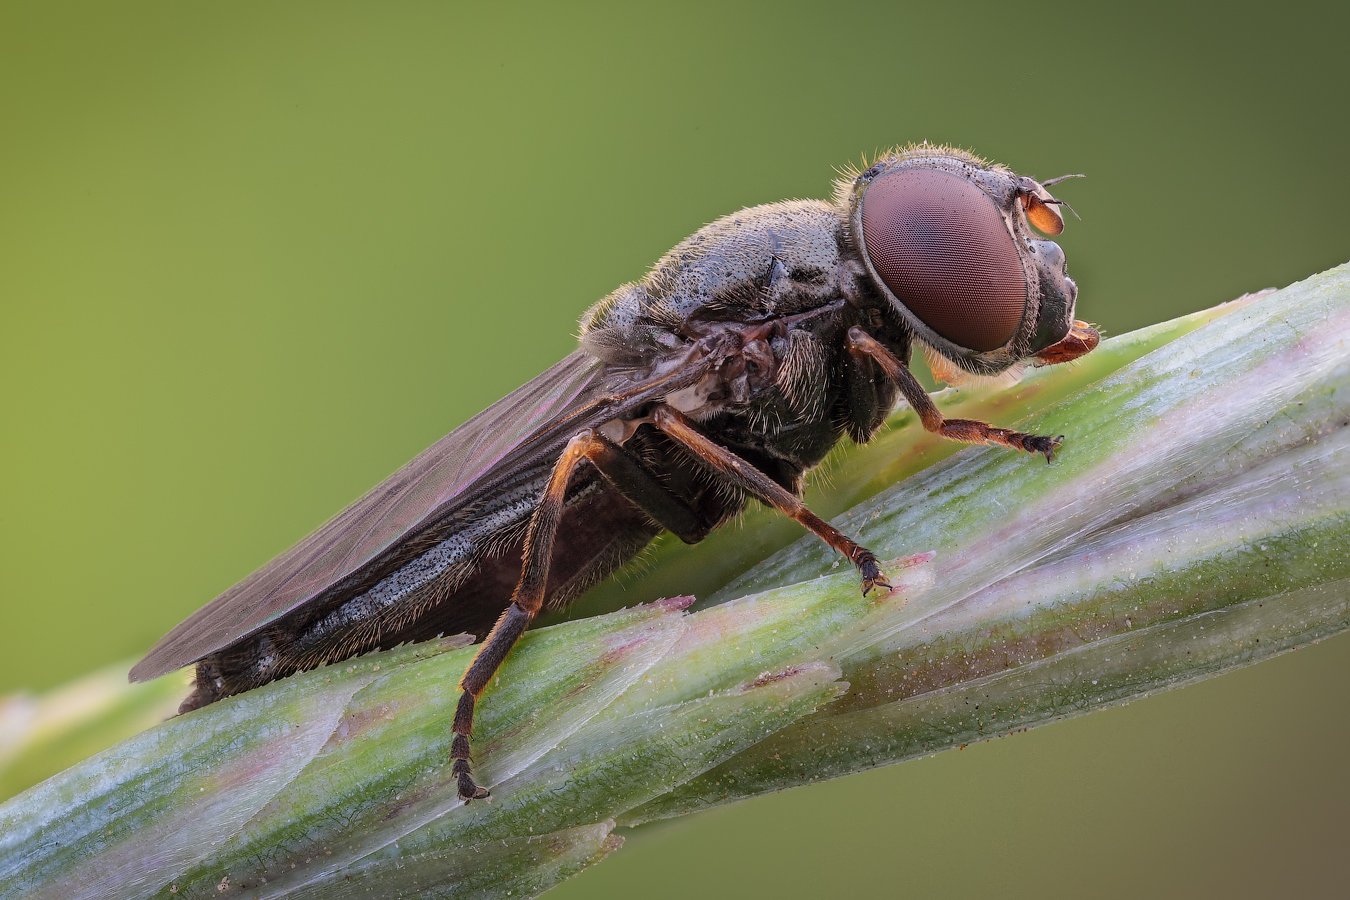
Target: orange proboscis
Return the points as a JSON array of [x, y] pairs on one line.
[[1082, 338]]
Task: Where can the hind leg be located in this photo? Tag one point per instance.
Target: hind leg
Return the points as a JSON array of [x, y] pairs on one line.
[[627, 475]]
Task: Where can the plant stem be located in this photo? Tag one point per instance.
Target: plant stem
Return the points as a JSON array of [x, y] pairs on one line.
[[1197, 519]]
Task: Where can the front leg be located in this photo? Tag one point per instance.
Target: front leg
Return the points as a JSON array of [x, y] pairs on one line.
[[969, 431], [754, 482]]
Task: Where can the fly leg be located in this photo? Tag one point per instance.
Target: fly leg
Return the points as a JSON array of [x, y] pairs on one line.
[[636, 484], [860, 343], [526, 601], [641, 488], [754, 482]]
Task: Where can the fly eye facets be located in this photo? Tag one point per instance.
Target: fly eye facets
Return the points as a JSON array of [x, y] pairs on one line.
[[943, 249]]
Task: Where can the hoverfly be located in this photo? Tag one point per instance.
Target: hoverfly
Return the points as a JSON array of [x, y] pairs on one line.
[[727, 372]]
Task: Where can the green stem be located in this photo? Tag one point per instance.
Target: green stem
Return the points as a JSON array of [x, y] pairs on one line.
[[1197, 519]]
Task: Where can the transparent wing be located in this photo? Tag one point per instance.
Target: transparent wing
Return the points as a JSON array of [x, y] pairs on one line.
[[528, 424]]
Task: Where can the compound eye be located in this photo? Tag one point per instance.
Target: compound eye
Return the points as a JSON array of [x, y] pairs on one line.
[[943, 248], [1042, 214]]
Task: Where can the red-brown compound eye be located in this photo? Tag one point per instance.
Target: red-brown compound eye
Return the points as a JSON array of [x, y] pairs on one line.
[[942, 247]]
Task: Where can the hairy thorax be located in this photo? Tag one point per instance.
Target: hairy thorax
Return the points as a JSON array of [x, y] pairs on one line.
[[768, 292]]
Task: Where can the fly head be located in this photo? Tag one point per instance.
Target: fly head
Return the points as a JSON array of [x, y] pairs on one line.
[[948, 240]]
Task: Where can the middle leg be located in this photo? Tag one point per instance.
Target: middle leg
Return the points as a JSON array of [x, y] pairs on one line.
[[754, 482]]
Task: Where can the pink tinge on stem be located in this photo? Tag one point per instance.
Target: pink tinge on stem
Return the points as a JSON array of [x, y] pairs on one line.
[[817, 669], [673, 604], [914, 559]]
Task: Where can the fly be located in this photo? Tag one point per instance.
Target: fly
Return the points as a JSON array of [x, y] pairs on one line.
[[725, 374]]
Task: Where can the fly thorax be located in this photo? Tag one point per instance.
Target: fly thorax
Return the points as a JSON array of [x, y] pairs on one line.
[[742, 376], [748, 374], [698, 400], [803, 375]]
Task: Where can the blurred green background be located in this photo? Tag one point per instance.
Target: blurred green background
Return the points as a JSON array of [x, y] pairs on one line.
[[253, 257]]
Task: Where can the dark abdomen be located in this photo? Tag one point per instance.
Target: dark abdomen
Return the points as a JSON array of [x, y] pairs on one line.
[[461, 588]]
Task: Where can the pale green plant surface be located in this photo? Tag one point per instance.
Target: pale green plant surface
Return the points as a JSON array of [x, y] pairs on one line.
[[1197, 519]]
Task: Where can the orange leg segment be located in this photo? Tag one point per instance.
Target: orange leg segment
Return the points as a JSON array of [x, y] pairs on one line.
[[966, 430]]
